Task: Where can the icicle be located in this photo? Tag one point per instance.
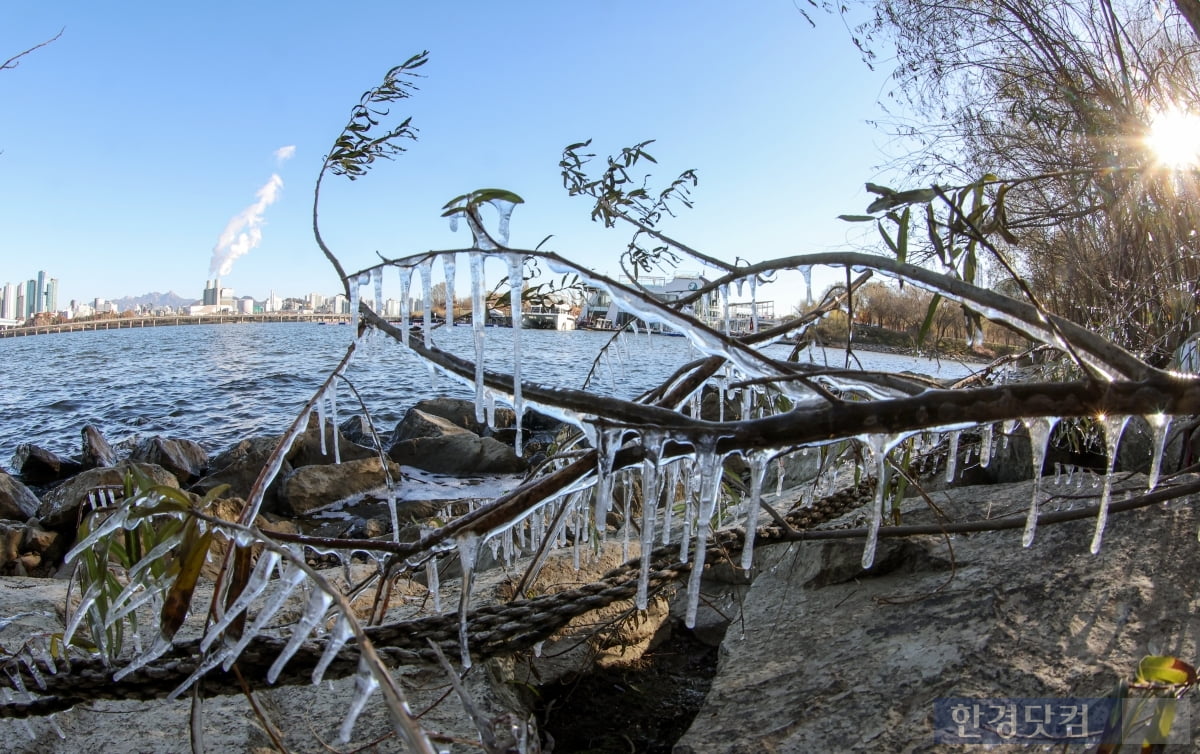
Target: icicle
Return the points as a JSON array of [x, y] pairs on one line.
[[354, 308], [754, 303], [651, 482], [608, 441], [449, 262], [1159, 423], [478, 322], [405, 305], [725, 306], [467, 546], [1039, 436], [779, 472], [314, 613], [433, 583], [337, 639], [879, 445], [710, 489], [365, 684], [985, 446], [426, 272], [377, 280], [806, 271], [331, 396], [516, 281], [952, 456], [758, 470], [672, 485], [1113, 427], [321, 422], [1006, 430], [626, 511]]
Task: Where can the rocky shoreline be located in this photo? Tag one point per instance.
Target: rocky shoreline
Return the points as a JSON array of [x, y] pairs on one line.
[[807, 651]]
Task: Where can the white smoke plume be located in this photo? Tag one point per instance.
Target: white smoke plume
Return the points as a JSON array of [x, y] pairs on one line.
[[244, 231]]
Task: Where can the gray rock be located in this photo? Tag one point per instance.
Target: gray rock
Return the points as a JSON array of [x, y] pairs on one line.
[[59, 508], [419, 424], [464, 453], [357, 430], [97, 453], [827, 657], [310, 488], [183, 458], [27, 550], [461, 413], [306, 451], [17, 503], [239, 467], [38, 466]]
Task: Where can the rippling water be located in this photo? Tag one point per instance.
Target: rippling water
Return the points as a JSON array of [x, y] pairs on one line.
[[217, 384]]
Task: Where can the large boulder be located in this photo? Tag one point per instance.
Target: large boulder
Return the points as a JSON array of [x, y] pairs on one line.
[[239, 467], [827, 657], [461, 413], [97, 452], [306, 450], [183, 458], [418, 424], [458, 454], [60, 506], [40, 467], [17, 503], [311, 488]]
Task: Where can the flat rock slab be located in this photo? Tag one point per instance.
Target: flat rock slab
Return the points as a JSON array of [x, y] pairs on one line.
[[832, 658]]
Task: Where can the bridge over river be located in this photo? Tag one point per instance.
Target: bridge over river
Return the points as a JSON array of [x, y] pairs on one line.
[[119, 323]]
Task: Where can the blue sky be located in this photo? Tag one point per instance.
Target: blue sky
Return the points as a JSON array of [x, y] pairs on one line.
[[130, 143]]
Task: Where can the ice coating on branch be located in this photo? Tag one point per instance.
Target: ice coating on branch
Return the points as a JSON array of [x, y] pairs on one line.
[[952, 457], [425, 271], [353, 308], [322, 422], [879, 446], [1039, 437], [365, 685], [1113, 427], [1159, 424], [516, 281], [449, 268], [478, 322], [405, 284], [710, 464], [468, 545], [758, 471]]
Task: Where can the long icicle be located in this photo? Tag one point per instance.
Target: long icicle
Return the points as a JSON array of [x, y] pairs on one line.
[[1039, 437], [1113, 427]]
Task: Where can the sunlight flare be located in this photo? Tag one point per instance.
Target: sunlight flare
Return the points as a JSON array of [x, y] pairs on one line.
[[1174, 137]]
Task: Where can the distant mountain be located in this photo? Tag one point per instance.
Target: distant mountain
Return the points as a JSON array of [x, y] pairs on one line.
[[154, 300]]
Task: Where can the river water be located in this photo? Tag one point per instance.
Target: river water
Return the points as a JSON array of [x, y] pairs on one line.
[[217, 384]]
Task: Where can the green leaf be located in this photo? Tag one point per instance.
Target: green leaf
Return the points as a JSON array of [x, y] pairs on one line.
[[856, 218]]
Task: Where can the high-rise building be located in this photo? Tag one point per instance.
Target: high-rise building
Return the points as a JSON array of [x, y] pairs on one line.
[[52, 295], [20, 299], [9, 309], [30, 299], [40, 293]]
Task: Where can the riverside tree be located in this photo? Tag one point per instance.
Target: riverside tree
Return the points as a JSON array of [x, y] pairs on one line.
[[664, 444]]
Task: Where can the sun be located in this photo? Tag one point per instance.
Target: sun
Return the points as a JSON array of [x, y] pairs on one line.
[[1174, 138]]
